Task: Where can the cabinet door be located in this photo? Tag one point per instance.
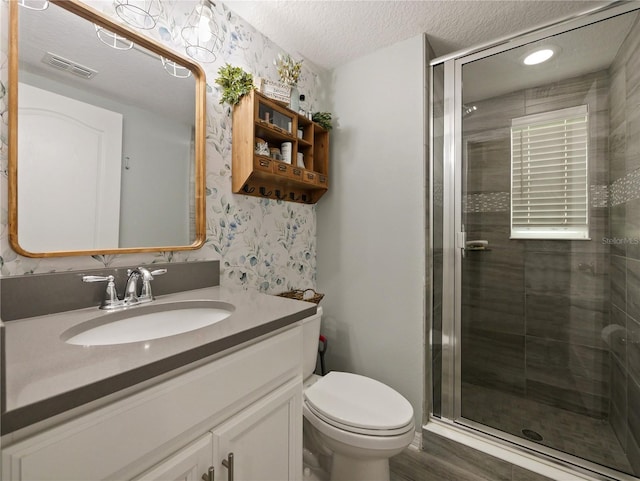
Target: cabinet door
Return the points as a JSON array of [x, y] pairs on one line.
[[265, 439], [188, 464]]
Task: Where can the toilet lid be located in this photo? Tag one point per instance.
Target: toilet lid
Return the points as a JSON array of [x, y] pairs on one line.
[[359, 402]]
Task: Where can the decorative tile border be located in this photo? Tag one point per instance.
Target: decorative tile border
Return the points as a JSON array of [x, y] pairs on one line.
[[599, 195], [501, 201], [626, 188], [487, 202]]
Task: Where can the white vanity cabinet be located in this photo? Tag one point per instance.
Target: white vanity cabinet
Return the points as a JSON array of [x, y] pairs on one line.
[[188, 464], [263, 441], [261, 437], [248, 403]]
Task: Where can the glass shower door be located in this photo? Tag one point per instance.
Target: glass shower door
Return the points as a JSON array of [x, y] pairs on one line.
[[542, 313]]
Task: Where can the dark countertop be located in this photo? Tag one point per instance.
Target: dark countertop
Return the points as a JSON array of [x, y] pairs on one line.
[[45, 376]]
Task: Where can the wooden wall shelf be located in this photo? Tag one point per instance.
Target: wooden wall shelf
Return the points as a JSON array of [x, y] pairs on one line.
[[259, 117]]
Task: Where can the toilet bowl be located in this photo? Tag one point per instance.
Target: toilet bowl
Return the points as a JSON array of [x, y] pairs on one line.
[[361, 422]]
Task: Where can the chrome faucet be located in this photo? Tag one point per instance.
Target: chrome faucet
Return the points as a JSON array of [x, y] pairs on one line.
[[131, 297]]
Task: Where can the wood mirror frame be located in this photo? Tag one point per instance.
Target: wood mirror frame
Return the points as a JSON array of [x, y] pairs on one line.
[[96, 17]]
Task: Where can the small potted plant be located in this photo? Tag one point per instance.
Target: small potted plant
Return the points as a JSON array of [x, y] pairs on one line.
[[323, 119], [235, 83], [289, 71]]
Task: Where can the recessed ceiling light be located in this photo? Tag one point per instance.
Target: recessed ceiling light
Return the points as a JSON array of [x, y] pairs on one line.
[[538, 56]]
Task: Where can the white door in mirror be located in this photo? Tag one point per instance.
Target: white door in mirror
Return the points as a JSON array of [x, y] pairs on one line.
[[81, 142]]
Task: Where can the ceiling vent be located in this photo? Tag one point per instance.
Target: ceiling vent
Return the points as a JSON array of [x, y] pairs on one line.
[[68, 65]]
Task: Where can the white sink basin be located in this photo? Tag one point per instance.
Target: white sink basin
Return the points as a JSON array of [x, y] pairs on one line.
[[144, 323]]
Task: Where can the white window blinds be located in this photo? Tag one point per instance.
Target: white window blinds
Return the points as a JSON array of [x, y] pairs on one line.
[[549, 187]]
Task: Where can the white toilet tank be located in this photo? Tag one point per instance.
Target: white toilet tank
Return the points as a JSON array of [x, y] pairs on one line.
[[310, 337]]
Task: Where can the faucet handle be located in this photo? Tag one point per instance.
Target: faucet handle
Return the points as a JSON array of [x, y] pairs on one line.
[[110, 296], [147, 276], [98, 278]]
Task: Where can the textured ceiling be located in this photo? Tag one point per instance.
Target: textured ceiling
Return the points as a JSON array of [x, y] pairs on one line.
[[330, 33]]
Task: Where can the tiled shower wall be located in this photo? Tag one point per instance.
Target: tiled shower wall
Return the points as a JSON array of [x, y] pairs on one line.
[[625, 245], [534, 310]]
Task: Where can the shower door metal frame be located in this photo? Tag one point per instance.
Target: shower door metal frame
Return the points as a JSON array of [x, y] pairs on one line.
[[453, 227]]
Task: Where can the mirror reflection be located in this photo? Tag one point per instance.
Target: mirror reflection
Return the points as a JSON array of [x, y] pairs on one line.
[[107, 139]]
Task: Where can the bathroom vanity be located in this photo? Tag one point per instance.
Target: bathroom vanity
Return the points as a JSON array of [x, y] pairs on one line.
[[223, 399]]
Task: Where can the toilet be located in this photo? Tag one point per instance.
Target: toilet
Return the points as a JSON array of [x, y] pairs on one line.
[[358, 421]]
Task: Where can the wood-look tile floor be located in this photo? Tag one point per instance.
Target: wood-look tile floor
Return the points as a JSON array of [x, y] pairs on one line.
[[576, 434], [579, 435]]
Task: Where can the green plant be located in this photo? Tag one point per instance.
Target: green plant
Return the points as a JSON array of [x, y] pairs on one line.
[[288, 69], [323, 119], [235, 83]]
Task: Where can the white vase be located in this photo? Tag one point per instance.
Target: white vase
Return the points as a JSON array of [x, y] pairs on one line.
[[294, 102]]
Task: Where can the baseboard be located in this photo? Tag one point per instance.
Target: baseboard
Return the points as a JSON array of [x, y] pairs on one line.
[[417, 441]]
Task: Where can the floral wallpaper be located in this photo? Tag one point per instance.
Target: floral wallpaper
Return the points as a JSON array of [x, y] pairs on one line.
[[261, 243]]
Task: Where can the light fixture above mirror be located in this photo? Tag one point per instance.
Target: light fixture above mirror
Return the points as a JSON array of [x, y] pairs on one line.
[[142, 14], [202, 34]]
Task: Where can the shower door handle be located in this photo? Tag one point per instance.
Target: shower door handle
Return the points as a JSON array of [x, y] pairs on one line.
[[461, 238]]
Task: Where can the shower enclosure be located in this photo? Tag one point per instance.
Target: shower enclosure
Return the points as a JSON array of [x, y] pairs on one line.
[[535, 221]]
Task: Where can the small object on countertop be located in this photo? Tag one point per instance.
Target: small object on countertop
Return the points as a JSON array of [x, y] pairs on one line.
[[299, 294]]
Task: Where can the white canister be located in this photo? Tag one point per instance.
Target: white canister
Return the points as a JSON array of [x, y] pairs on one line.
[[285, 151], [300, 160]]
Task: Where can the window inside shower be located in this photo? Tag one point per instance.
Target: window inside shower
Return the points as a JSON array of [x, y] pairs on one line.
[[549, 175], [535, 325]]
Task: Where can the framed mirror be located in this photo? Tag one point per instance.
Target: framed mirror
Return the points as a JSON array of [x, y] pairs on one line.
[[106, 137]]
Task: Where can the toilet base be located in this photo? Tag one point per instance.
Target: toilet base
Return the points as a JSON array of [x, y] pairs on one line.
[[359, 457], [346, 468]]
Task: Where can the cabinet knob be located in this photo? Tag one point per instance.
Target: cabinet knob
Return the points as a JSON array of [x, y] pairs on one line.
[[209, 475], [228, 463]]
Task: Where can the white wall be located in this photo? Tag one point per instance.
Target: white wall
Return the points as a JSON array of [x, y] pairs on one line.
[[372, 222]]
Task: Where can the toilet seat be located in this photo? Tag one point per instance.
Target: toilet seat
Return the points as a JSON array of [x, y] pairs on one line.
[[358, 404]]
